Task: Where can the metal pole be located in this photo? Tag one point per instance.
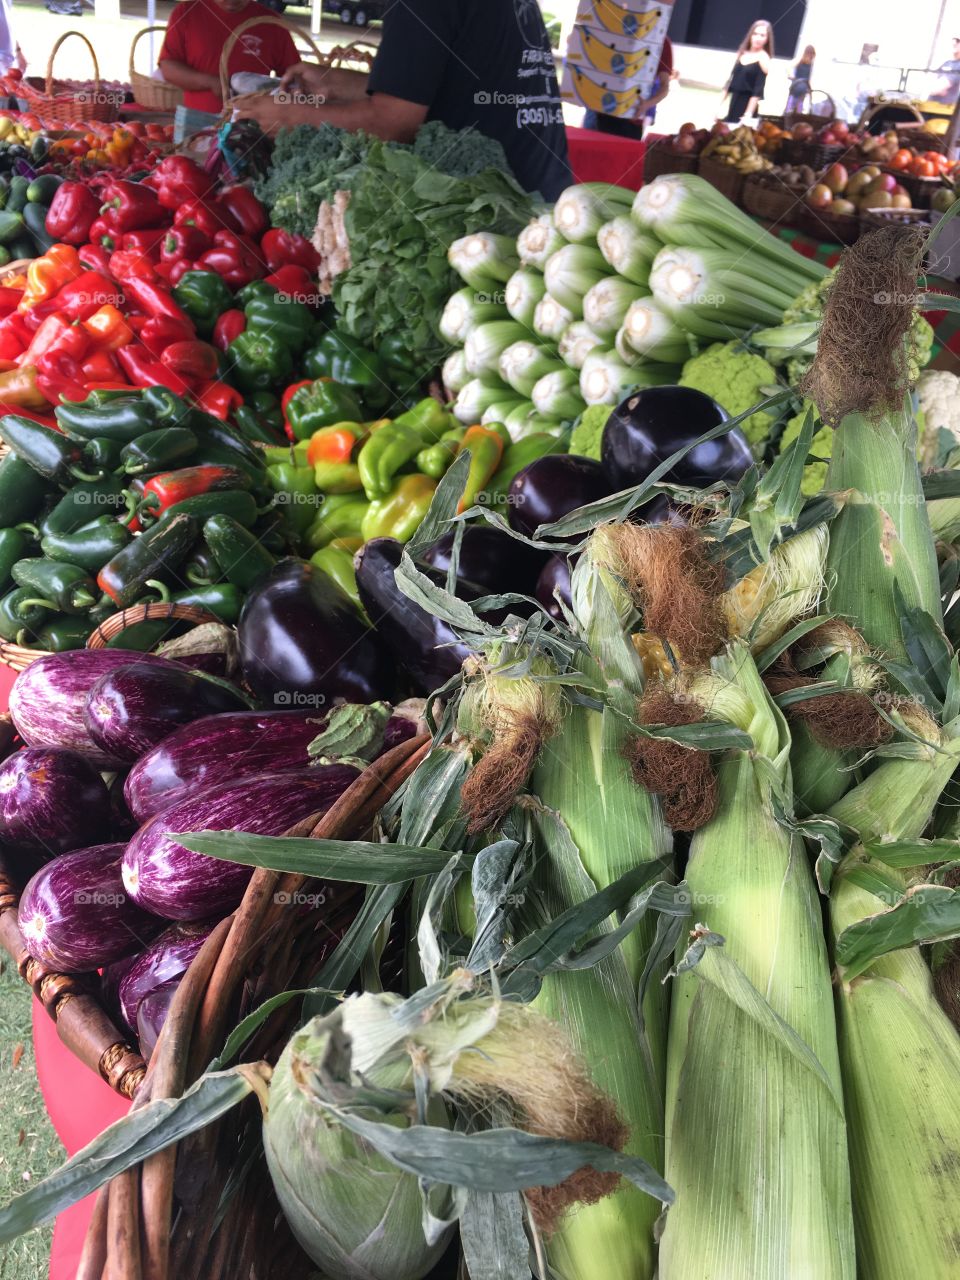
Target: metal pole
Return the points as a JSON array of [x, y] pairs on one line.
[[936, 32], [316, 8], [151, 22]]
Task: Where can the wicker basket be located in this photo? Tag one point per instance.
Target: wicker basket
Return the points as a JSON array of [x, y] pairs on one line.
[[770, 199], [821, 224], [724, 177], [870, 218], [920, 190], [659, 159], [345, 81], [816, 154], [815, 118], [165, 1218], [147, 91], [60, 101]]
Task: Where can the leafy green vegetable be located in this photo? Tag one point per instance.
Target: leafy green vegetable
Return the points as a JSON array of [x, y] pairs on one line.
[[587, 434]]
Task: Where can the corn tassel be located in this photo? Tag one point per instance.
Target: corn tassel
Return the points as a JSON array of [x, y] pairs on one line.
[[756, 1143]]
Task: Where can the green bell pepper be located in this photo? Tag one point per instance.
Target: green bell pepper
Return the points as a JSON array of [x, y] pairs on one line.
[[267, 408], [255, 289], [401, 365], [435, 459], [321, 404], [292, 455], [336, 559], [340, 516], [258, 361], [204, 296], [518, 455], [296, 493], [400, 513], [284, 318], [344, 359]]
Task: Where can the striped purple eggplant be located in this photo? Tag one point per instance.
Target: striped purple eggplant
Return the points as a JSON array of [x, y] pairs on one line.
[[131, 709], [52, 800], [166, 960], [170, 881], [75, 915], [152, 1014], [47, 699]]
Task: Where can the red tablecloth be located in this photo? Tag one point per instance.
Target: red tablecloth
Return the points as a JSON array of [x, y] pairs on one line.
[[603, 157]]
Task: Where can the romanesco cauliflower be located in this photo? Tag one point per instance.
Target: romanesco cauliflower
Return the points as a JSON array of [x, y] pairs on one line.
[[587, 435], [737, 379]]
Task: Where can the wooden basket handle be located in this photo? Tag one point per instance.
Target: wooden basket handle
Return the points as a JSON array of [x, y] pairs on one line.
[[235, 35], [144, 31], [97, 87], [117, 623], [359, 50]]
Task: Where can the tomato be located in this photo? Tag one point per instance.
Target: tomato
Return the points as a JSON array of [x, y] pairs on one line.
[[901, 159]]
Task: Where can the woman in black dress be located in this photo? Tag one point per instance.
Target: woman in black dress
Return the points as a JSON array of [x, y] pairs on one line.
[[746, 83]]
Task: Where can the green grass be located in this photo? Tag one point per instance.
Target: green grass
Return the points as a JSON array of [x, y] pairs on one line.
[[29, 1147]]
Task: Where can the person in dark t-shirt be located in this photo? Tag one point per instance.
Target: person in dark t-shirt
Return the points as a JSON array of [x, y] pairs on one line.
[[481, 63]]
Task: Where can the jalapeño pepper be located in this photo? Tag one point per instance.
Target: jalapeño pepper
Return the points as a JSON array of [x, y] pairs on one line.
[[48, 452], [158, 450], [123, 419], [90, 547], [21, 489], [63, 588], [223, 600], [202, 570], [13, 547], [171, 487], [20, 617], [250, 424], [233, 502], [156, 551], [84, 503], [434, 461], [64, 632], [239, 553], [102, 454], [486, 446], [214, 434], [342, 358], [168, 409]]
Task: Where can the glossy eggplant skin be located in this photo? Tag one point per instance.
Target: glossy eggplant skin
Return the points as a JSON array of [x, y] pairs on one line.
[[167, 879], [52, 800], [152, 1014], [554, 581], [166, 960], [427, 648], [554, 485], [75, 915], [129, 710], [303, 642], [490, 562], [47, 699], [650, 425]]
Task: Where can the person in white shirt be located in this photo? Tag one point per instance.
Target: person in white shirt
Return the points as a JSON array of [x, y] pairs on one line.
[[10, 51]]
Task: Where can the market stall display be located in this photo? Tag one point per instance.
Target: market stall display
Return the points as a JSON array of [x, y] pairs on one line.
[[628, 638]]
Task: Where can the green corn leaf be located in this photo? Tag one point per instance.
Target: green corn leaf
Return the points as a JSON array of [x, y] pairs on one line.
[[245, 1028], [443, 506], [911, 853], [778, 500], [768, 657], [941, 484], [927, 647], [925, 914], [491, 1232], [342, 965], [353, 861]]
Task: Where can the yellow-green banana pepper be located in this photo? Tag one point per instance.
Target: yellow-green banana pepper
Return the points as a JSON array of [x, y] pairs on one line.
[[401, 512]]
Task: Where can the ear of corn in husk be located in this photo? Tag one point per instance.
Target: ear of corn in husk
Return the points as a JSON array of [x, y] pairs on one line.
[[756, 1143]]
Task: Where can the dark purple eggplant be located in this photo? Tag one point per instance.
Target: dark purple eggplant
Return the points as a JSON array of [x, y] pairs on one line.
[[654, 423], [130, 710], [169, 880], [554, 581], [427, 648], [52, 800], [152, 1014], [46, 701], [75, 915], [166, 959], [549, 488], [304, 644], [490, 562]]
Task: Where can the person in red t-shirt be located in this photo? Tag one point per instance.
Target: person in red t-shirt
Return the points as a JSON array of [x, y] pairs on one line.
[[196, 34]]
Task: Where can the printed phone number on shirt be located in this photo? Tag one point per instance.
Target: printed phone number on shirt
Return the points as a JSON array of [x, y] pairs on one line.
[[539, 115]]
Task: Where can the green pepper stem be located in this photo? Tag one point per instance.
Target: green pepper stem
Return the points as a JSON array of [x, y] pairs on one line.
[[37, 602], [90, 476], [82, 599], [32, 529], [161, 588]]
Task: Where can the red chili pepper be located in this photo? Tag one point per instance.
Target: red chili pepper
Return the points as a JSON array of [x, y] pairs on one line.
[[219, 399], [144, 371], [160, 331], [9, 299], [184, 242], [281, 248], [46, 337], [155, 300], [128, 264], [194, 360], [245, 209], [100, 366], [100, 233], [177, 179], [229, 325], [127, 206], [200, 213], [73, 210], [32, 414], [80, 298], [94, 257], [296, 282], [170, 487], [285, 399], [146, 241]]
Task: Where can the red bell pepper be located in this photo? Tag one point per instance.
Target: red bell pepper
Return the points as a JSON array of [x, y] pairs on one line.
[[46, 338], [128, 264], [144, 371], [229, 325], [9, 300], [101, 234], [33, 414], [245, 209], [73, 210], [282, 248], [15, 336], [193, 360], [80, 298], [60, 377], [233, 257], [146, 241], [173, 272], [296, 282], [206, 216], [94, 257], [184, 242], [285, 399], [170, 487], [100, 366], [219, 399], [128, 206], [155, 300], [160, 331], [177, 179]]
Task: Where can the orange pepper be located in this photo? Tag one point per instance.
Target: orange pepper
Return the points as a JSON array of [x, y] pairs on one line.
[[46, 276], [19, 387], [331, 444], [108, 328]]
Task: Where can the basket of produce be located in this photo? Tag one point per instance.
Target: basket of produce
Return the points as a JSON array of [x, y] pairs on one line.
[[149, 90], [663, 156], [872, 217], [724, 176], [818, 144], [774, 195], [65, 101]]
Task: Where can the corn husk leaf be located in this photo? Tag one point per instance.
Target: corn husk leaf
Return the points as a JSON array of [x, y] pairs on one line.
[[926, 914], [353, 861]]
